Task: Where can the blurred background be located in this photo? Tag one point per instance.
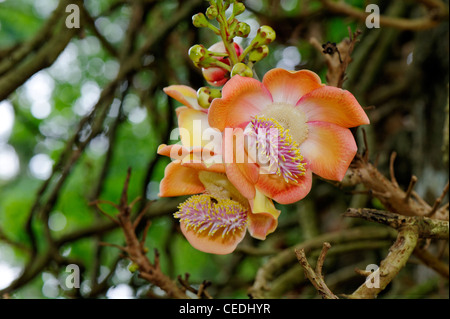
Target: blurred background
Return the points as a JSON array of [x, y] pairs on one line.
[[80, 106]]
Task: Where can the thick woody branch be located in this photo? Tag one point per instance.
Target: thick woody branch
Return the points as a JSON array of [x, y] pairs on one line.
[[396, 259], [426, 227], [265, 275], [393, 198], [410, 229]]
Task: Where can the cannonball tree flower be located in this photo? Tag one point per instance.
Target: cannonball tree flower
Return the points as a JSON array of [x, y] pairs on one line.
[[218, 76], [217, 217], [312, 122]]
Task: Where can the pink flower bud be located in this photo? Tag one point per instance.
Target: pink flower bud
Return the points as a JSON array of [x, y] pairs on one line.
[[218, 76]]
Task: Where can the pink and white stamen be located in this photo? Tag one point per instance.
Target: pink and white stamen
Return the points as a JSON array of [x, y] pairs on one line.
[[274, 149], [207, 214]]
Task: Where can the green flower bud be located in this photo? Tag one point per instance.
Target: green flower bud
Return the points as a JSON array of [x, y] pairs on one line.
[[243, 30], [199, 20], [133, 267], [197, 53], [265, 35], [242, 70], [205, 95], [227, 3], [259, 53], [238, 8], [212, 12]]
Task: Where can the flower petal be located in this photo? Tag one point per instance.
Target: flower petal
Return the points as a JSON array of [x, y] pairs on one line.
[[288, 86], [175, 151], [192, 124], [212, 244], [185, 95], [242, 98], [213, 225], [263, 219], [199, 158], [180, 180], [329, 149], [279, 190], [333, 105], [241, 172], [242, 176], [194, 160]]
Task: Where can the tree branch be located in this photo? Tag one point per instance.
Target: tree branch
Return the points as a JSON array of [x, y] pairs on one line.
[[437, 12], [315, 276], [396, 259], [426, 227]]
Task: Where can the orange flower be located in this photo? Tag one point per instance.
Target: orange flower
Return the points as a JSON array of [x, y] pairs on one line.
[[312, 123], [216, 219]]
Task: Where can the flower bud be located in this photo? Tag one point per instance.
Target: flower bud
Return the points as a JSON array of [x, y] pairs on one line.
[[197, 53], [212, 12], [205, 95], [242, 30], [133, 267], [227, 3], [242, 70], [259, 53], [218, 76], [238, 8], [265, 35], [199, 20]]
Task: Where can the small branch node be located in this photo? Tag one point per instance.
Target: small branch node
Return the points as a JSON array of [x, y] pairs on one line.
[[438, 201], [411, 185]]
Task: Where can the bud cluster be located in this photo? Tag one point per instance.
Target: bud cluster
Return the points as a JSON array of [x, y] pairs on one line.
[[226, 58]]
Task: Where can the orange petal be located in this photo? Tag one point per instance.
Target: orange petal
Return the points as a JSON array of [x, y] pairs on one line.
[[195, 161], [329, 149], [282, 192], [192, 124], [241, 175], [212, 244], [288, 86], [174, 151], [185, 95], [263, 219], [180, 180], [242, 98], [333, 105], [260, 225], [179, 109], [212, 225]]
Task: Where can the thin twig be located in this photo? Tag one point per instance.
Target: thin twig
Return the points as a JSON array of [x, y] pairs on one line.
[[316, 277], [438, 201], [411, 185], [391, 169], [432, 261]]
